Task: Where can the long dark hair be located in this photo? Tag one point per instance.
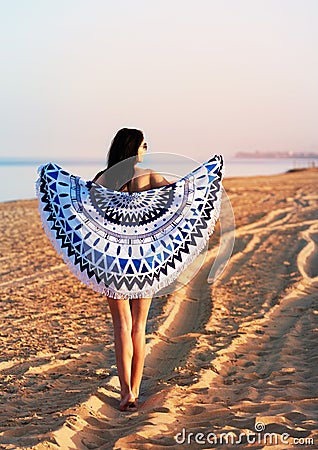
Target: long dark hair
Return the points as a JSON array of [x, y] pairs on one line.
[[124, 150]]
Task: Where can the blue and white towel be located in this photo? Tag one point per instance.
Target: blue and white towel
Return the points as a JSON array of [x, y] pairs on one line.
[[129, 245]]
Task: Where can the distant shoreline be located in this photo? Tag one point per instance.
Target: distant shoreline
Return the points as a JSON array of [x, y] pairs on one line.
[[25, 175], [274, 156], [226, 178]]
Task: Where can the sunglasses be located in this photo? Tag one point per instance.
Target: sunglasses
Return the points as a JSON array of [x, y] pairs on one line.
[[145, 146]]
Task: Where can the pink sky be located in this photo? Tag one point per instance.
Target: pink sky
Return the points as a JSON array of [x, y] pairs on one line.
[[199, 77]]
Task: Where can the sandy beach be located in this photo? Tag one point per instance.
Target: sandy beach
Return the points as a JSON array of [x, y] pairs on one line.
[[226, 362]]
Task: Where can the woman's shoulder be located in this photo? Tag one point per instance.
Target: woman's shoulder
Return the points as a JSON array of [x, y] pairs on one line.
[[154, 175], [142, 171], [148, 171], [99, 177], [157, 180]]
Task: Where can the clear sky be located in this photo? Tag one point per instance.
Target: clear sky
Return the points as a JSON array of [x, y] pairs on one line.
[[198, 76]]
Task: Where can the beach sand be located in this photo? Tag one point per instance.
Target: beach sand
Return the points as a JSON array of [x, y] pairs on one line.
[[237, 357]]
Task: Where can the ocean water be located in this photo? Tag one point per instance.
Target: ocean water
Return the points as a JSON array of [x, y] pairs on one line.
[[17, 180]]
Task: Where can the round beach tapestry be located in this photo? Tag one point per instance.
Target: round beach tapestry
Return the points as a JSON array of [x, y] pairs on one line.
[[129, 245]]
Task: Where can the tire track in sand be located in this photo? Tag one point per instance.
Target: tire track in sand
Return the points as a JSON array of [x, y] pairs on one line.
[[263, 375]]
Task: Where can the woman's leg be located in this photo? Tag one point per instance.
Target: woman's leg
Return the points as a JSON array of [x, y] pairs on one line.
[[139, 311], [122, 323]]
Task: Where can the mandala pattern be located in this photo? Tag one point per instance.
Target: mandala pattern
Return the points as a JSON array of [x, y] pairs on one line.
[[129, 245]]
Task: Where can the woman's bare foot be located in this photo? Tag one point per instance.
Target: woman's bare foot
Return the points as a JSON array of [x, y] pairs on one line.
[[127, 401], [133, 404]]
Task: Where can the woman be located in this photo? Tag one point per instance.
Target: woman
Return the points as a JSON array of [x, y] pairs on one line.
[[129, 317], [86, 222]]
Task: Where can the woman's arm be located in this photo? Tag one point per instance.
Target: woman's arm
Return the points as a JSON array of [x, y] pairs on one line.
[[157, 180]]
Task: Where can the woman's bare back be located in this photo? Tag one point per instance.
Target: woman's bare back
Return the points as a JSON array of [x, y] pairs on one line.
[[143, 180]]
